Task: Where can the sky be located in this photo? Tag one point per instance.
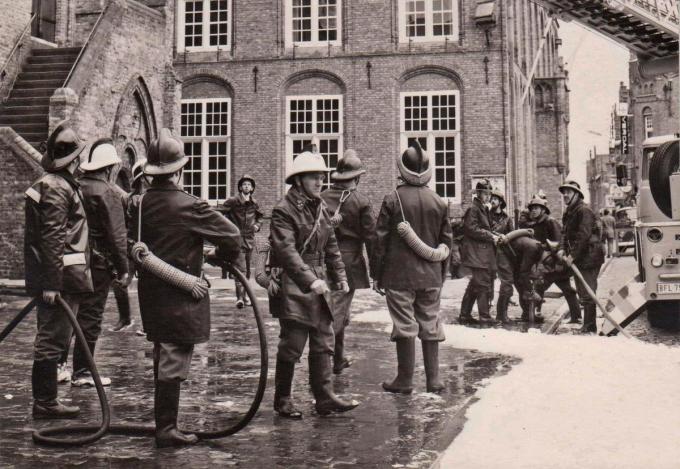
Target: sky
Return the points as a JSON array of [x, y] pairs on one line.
[[596, 66]]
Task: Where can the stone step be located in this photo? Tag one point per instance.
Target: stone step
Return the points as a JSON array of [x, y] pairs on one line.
[[27, 101], [22, 129], [11, 119], [51, 59], [40, 74], [35, 137], [38, 84], [56, 51], [23, 111], [57, 66], [32, 93]]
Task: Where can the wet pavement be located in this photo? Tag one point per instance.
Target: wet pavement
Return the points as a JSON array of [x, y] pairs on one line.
[[385, 431]]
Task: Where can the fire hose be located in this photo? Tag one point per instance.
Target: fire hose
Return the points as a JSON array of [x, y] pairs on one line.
[[95, 432]]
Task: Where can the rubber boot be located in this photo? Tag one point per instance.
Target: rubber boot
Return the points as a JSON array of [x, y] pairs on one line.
[[502, 309], [406, 357], [466, 307], [45, 402], [483, 306], [166, 409], [431, 359], [240, 303], [589, 318], [340, 361], [574, 308], [283, 381], [320, 379], [123, 303]]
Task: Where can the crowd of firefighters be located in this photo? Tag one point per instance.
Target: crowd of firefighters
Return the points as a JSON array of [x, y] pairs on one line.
[[322, 247]]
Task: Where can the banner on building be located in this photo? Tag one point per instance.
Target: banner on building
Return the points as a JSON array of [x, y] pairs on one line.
[[624, 135]]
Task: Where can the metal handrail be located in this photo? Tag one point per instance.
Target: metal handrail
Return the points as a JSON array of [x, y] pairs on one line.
[[16, 46], [87, 42]]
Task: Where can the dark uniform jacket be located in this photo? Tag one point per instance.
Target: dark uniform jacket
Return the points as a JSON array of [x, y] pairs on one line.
[[581, 236], [356, 230], [56, 250], [546, 228], [394, 264], [106, 220], [174, 226], [478, 247], [501, 222], [293, 220], [246, 215]]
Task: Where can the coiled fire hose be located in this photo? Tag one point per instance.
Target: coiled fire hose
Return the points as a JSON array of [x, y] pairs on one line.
[[95, 432], [422, 250]]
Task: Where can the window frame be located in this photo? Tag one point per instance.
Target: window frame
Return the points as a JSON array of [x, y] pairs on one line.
[[288, 26], [430, 135], [205, 35], [205, 145], [648, 124], [404, 38], [314, 137]]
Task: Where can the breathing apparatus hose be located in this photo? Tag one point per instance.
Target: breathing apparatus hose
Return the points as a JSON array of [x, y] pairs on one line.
[[95, 432]]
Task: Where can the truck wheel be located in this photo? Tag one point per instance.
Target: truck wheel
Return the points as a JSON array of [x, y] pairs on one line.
[[664, 314], [664, 163]]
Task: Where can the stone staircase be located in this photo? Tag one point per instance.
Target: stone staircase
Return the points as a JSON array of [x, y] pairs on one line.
[[27, 108]]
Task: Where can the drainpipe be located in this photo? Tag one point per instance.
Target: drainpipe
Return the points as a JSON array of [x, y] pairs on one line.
[[509, 165]]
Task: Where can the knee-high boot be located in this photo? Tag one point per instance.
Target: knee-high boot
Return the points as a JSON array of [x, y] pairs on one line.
[[283, 381], [431, 360], [340, 361], [320, 379], [589, 318], [466, 305], [502, 309], [406, 357], [166, 409]]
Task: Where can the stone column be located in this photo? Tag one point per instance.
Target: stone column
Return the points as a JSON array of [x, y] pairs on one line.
[[62, 104]]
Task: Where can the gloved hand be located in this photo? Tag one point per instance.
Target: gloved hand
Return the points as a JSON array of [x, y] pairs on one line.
[[319, 287], [50, 296], [343, 287], [124, 281]]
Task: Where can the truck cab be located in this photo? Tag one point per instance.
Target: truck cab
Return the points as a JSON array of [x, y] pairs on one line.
[[657, 230]]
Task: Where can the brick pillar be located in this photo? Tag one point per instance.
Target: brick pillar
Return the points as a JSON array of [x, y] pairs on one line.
[[62, 104]]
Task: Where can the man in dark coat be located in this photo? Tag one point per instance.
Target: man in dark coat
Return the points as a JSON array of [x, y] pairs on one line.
[[174, 226], [108, 241], [546, 228], [57, 263], [581, 245], [244, 211], [354, 222], [501, 223], [479, 254], [304, 247], [412, 284]]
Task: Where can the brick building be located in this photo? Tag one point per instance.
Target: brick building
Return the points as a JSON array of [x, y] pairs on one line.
[[479, 83]]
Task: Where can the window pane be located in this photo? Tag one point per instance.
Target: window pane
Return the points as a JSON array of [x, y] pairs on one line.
[[445, 166], [192, 170], [193, 23], [327, 116], [217, 119], [415, 18], [328, 148], [328, 20], [302, 20], [442, 17], [217, 172], [415, 113], [444, 112], [219, 25], [191, 119], [300, 116]]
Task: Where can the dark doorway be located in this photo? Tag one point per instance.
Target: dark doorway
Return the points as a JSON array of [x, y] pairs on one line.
[[45, 21]]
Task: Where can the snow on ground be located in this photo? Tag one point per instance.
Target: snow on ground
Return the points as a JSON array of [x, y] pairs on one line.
[[573, 402]]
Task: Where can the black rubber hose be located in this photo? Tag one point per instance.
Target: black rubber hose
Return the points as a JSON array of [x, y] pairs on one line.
[[47, 436]]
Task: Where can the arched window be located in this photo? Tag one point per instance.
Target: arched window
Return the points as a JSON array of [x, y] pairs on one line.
[[206, 132], [648, 122], [431, 114], [314, 121]]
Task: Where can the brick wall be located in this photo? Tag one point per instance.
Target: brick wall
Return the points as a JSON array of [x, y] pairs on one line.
[[19, 170], [16, 14]]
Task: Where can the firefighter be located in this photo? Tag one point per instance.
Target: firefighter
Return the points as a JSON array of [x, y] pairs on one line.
[[479, 254], [244, 211], [174, 226], [108, 242], [546, 228], [304, 247], [130, 199], [412, 285], [501, 223], [354, 222], [57, 263], [581, 246]]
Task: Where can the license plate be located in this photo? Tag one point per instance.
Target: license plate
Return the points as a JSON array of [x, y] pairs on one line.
[[667, 288]]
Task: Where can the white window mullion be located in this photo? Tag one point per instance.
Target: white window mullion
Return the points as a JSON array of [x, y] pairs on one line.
[[315, 20], [204, 168], [429, 19]]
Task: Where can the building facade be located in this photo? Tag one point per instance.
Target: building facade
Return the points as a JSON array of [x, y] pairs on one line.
[[247, 84]]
